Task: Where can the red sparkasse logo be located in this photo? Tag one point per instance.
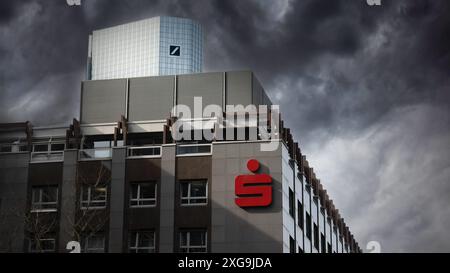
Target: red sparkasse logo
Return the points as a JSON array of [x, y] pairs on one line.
[[253, 190]]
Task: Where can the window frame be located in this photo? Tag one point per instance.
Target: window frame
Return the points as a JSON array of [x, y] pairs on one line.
[[300, 215], [37, 206], [291, 197], [316, 241], [292, 244], [308, 229], [30, 250], [138, 199], [188, 245], [135, 247], [89, 202], [50, 143], [189, 197], [85, 247]]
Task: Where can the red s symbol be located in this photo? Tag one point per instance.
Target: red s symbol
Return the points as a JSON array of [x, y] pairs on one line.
[[253, 190]]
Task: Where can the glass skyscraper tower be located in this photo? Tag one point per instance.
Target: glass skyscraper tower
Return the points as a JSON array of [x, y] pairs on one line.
[[150, 47]]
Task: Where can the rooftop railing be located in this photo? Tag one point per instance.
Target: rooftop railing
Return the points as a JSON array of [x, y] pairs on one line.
[[50, 156], [194, 149], [144, 152], [95, 154]]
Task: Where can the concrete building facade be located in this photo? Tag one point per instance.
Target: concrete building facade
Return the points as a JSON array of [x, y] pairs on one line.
[[116, 181], [118, 178]]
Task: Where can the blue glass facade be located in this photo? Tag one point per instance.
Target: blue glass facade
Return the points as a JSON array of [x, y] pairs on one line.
[[181, 46], [150, 47]]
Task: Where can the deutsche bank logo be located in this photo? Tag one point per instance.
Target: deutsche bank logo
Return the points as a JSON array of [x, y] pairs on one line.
[[174, 50]]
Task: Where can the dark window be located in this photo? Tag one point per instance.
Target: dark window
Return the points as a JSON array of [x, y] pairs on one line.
[[5, 149], [94, 243], [40, 147], [57, 147], [308, 225], [291, 245], [44, 198], [143, 194], [194, 192], [23, 148], [329, 248], [323, 243], [44, 244], [291, 203], [93, 196], [300, 250], [142, 242], [193, 241], [316, 236], [300, 214]]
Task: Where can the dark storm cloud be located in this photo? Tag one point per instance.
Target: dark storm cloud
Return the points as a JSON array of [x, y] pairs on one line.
[[365, 89]]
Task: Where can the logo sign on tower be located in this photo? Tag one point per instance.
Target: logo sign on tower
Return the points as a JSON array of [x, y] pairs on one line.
[[174, 50]]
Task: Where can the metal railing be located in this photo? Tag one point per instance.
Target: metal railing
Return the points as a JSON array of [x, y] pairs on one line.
[[95, 154], [194, 149], [50, 156], [144, 152]]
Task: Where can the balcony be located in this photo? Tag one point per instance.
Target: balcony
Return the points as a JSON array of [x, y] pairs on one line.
[[50, 156], [95, 154], [144, 152], [194, 149]]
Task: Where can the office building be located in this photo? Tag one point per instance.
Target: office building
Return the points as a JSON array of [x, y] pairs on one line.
[[116, 179], [151, 47]]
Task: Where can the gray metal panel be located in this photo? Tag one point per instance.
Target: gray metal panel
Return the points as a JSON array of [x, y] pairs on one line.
[[68, 198], [117, 200], [150, 98], [13, 195], [257, 97], [103, 101], [266, 100], [239, 88], [209, 86], [167, 199]]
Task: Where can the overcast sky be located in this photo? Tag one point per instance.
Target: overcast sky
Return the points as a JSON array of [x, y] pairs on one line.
[[366, 90]]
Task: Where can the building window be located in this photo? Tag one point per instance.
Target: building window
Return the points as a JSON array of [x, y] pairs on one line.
[[291, 245], [194, 192], [300, 214], [48, 146], [42, 245], [44, 198], [93, 197], [5, 149], [143, 194], [57, 147], [13, 147], [40, 147], [291, 203], [323, 243], [300, 250], [316, 236], [308, 225], [94, 243], [142, 242], [193, 241], [330, 250]]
